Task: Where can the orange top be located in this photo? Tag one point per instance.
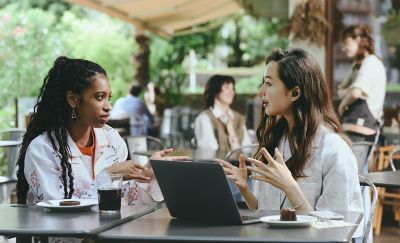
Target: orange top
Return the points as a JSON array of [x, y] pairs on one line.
[[89, 151]]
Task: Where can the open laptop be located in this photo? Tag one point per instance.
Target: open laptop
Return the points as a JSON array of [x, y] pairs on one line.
[[198, 190]]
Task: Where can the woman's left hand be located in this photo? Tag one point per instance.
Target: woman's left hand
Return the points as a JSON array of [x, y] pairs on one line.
[[163, 155], [275, 172]]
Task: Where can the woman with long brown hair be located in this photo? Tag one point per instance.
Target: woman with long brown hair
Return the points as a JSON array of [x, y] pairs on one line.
[[304, 160], [363, 91]]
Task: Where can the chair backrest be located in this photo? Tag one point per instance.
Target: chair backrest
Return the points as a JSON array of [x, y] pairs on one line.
[[368, 223], [138, 125], [363, 151], [121, 125], [248, 151], [142, 144], [12, 134], [9, 154], [394, 156]]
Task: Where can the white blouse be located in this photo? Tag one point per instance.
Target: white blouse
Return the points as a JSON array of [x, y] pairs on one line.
[[43, 169], [204, 131], [371, 79], [332, 177]]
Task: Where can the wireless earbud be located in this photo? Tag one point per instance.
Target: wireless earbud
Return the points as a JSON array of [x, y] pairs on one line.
[[295, 93]]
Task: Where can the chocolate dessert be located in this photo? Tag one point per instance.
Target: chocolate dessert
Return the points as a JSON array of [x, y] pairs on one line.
[[70, 203], [288, 214]]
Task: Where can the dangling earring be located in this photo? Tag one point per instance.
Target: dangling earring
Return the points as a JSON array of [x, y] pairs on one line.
[[73, 116]]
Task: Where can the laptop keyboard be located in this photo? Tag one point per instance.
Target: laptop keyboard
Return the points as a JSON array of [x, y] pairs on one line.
[[247, 218]]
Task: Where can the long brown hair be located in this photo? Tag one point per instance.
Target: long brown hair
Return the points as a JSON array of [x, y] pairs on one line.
[[314, 107], [366, 40]]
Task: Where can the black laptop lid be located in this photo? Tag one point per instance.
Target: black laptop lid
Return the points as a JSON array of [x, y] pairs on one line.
[[196, 191]]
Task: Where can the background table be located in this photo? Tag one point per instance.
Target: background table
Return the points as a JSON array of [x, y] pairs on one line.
[[159, 226], [384, 178], [9, 143], [35, 221]]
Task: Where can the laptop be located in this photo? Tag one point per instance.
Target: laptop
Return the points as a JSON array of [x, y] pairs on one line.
[[198, 190]]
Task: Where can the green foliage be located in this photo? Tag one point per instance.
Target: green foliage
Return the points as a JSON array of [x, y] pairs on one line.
[[28, 45], [167, 56], [104, 41], [55, 7], [391, 28], [250, 85], [31, 39], [249, 39]]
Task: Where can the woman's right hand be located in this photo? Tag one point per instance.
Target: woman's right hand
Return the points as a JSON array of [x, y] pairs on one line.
[[237, 175], [130, 170]]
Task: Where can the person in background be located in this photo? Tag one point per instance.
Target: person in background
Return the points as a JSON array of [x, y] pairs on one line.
[[131, 106], [219, 127], [304, 159], [67, 143], [363, 91], [363, 94]]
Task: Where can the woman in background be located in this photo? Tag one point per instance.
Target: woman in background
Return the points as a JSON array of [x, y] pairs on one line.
[[363, 91], [219, 127]]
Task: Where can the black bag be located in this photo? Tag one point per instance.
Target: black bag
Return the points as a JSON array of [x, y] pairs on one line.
[[358, 113]]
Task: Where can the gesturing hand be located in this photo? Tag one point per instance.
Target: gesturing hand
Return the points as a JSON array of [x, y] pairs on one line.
[[237, 175], [163, 155], [130, 170], [275, 172]]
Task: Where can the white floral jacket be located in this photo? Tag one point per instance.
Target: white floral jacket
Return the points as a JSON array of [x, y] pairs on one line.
[[43, 169]]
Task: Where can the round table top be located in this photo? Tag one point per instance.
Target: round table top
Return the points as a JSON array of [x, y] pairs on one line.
[[6, 143]]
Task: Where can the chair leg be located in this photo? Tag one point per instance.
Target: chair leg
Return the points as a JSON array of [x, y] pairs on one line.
[[396, 212], [378, 218]]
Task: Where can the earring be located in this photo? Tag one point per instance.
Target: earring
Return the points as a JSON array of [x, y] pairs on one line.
[[73, 116]]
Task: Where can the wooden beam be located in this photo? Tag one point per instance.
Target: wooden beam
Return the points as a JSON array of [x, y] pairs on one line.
[[329, 5], [202, 18], [150, 13], [194, 10], [137, 7], [96, 5]]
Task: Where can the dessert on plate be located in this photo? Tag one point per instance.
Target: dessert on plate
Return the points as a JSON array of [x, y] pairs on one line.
[[288, 214], [70, 203]]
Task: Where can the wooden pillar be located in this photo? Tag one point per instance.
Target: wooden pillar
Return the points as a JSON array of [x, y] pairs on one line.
[[142, 59], [329, 8]]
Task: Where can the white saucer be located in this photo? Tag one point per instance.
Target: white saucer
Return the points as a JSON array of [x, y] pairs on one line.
[[302, 221], [54, 205]]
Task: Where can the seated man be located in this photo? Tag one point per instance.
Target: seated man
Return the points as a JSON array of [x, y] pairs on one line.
[[134, 108]]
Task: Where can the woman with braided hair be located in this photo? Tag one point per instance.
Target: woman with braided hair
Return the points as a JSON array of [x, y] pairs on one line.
[[68, 143]]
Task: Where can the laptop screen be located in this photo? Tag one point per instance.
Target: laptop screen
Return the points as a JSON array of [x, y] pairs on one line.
[[196, 190]]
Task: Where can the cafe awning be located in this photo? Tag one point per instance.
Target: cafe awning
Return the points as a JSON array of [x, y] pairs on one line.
[[171, 17]]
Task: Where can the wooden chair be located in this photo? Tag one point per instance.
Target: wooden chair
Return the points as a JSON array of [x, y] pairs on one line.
[[387, 155]]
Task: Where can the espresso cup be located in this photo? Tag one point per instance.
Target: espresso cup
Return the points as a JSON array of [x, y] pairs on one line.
[[109, 190]]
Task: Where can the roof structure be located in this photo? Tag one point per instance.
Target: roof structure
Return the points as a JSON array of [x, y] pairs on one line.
[[171, 17]]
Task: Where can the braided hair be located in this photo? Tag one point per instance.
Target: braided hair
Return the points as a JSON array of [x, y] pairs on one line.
[[52, 113]]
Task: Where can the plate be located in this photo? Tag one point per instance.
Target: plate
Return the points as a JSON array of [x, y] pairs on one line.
[[54, 205], [275, 221]]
